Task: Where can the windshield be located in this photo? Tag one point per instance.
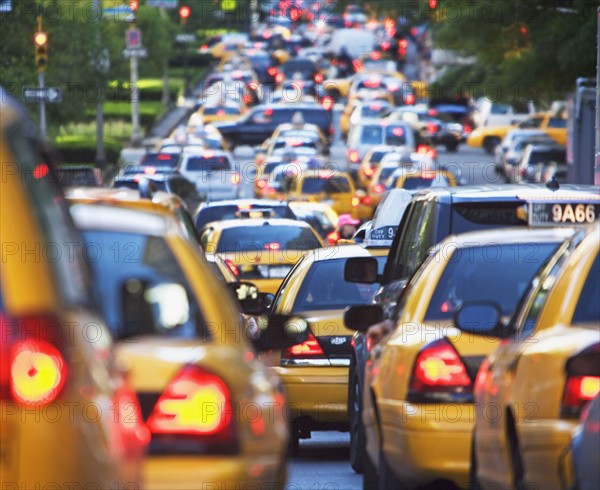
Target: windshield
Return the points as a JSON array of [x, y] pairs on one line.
[[221, 111], [160, 159], [371, 135], [395, 135], [115, 259], [500, 272], [414, 182], [232, 211], [324, 287], [332, 185], [267, 238]]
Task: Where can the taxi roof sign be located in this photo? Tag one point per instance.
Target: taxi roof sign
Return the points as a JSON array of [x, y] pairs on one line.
[[387, 218]]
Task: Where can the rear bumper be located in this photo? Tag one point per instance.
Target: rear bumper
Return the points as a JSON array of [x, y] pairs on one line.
[[213, 472], [317, 393]]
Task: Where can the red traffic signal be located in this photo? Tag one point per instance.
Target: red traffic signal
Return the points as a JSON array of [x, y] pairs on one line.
[[184, 12], [133, 5], [432, 4]]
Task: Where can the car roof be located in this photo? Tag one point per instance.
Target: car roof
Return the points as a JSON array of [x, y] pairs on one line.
[[251, 202], [343, 252], [509, 192], [507, 236]]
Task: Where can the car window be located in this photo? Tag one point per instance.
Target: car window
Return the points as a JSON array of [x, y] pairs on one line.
[[232, 211], [395, 135], [221, 111], [207, 164], [371, 135], [588, 305], [141, 265], [325, 288], [497, 271], [415, 182], [267, 238], [331, 185], [534, 122], [557, 122]]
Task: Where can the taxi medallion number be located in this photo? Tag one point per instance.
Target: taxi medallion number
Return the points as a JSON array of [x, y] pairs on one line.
[[563, 213]]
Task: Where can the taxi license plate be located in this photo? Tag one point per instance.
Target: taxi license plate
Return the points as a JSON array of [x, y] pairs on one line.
[[553, 214]]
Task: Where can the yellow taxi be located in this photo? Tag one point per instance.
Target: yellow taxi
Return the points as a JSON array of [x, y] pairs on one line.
[[358, 98], [370, 163], [214, 412], [260, 250], [331, 186], [228, 111], [555, 125], [416, 179], [532, 388], [315, 373], [418, 409], [69, 418]]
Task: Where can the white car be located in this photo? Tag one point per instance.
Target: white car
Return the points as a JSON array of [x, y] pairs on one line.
[[213, 172]]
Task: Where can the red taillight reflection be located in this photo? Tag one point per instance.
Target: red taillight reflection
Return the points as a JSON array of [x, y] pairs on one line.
[[327, 103], [409, 99], [439, 365], [40, 171], [232, 267], [261, 184], [310, 348], [578, 391], [379, 189]]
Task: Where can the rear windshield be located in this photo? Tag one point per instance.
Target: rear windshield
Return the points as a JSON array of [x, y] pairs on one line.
[[558, 156], [232, 211], [371, 135], [332, 185], [207, 164], [475, 216], [325, 288], [134, 271], [498, 272], [221, 111], [588, 306], [395, 135], [160, 160], [374, 110], [412, 183], [267, 237]]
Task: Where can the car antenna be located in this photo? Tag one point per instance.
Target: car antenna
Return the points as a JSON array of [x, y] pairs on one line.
[[552, 184]]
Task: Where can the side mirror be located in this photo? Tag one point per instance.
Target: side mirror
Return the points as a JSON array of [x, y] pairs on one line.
[[361, 270], [481, 318], [280, 332], [251, 300], [360, 318]]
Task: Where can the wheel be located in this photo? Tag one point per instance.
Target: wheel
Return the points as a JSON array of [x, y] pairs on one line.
[[370, 477], [452, 147], [489, 144], [294, 444], [387, 478], [358, 442], [473, 481], [518, 472]]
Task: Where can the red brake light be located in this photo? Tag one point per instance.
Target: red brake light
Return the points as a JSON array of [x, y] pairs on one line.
[[40, 171], [432, 127], [150, 170], [232, 267], [327, 103], [367, 200], [318, 78], [272, 71], [375, 55], [261, 184], [33, 370], [165, 156], [310, 348], [273, 246], [333, 237], [397, 131], [385, 45], [353, 156], [196, 402], [379, 189], [578, 391], [409, 99], [403, 43], [279, 77], [439, 368], [368, 171]]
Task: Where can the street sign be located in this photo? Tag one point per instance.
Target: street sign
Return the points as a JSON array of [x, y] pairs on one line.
[[135, 53], [228, 5], [133, 38], [185, 38], [52, 95]]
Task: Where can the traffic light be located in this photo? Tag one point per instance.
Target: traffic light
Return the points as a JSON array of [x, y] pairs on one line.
[[184, 14], [40, 40], [133, 5], [432, 4]]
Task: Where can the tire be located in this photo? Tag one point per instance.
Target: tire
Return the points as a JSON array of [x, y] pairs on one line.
[[370, 477], [387, 478], [358, 453], [516, 461], [294, 443], [452, 147], [489, 144], [473, 481]]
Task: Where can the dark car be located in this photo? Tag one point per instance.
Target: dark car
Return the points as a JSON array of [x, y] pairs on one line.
[[299, 69], [241, 208], [431, 216], [169, 182], [79, 175], [262, 120], [458, 113], [586, 448]]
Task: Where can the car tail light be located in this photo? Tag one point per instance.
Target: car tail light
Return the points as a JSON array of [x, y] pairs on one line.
[[318, 78], [439, 374], [33, 367], [467, 128], [367, 200], [235, 179], [426, 150], [355, 201], [232, 267], [129, 415], [368, 171], [309, 349], [279, 77], [353, 156], [385, 45], [379, 189], [583, 381], [272, 71], [149, 170], [196, 402], [333, 237], [331, 131], [409, 99], [261, 184], [432, 127], [327, 103]]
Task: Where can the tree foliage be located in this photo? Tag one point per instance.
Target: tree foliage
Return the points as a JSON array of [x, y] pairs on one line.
[[524, 49]]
